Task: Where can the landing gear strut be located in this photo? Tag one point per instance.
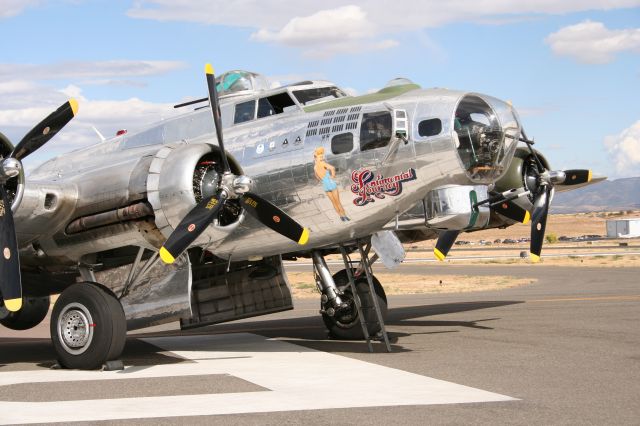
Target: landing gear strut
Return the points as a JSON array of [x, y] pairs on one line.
[[363, 303]]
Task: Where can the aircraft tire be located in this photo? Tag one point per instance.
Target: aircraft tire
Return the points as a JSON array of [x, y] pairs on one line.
[[33, 311], [88, 327], [347, 326]]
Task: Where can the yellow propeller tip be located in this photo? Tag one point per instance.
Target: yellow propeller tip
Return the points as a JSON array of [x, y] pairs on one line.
[[208, 69], [304, 237], [534, 258], [527, 217], [438, 254], [590, 176], [74, 106], [166, 256], [13, 305]]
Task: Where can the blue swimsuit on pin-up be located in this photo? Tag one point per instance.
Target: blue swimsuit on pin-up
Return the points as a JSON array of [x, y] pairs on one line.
[[327, 183]]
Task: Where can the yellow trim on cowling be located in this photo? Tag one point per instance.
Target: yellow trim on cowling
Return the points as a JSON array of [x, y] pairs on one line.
[[13, 305], [534, 258], [74, 106], [304, 237], [527, 217], [590, 176], [166, 256], [439, 255], [208, 69]]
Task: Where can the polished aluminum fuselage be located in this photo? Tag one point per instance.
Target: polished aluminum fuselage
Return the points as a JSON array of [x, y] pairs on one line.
[[277, 152]]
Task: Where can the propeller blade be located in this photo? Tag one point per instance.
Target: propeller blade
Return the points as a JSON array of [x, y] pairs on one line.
[[274, 218], [10, 282], [193, 224], [444, 244], [539, 223], [512, 211], [215, 110], [45, 130], [577, 177]]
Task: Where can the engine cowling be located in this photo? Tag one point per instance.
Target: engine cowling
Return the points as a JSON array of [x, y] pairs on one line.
[[179, 177], [520, 175]]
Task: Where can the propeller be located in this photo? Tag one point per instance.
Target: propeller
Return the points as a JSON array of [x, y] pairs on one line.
[[541, 183], [10, 167], [229, 187], [444, 244]]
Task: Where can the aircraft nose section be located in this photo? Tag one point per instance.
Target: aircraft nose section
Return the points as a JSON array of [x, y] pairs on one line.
[[486, 132]]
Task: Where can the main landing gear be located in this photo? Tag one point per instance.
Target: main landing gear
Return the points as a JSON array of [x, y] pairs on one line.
[[88, 326], [353, 303]]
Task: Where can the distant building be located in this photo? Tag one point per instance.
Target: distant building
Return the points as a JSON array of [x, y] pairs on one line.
[[625, 228]]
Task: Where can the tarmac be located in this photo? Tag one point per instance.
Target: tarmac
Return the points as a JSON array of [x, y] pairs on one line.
[[564, 350]]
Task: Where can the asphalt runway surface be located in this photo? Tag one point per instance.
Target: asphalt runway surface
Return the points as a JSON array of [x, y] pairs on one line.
[[564, 350]]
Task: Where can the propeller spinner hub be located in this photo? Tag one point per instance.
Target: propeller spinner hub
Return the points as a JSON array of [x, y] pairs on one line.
[[557, 177], [242, 184], [10, 168]]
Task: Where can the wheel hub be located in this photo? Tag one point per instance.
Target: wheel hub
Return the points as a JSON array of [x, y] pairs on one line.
[[75, 328]]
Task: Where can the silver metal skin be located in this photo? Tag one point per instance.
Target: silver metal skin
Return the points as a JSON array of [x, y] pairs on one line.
[[451, 207], [273, 156]]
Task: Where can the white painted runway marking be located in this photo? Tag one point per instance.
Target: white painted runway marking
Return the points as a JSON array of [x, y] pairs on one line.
[[298, 378]]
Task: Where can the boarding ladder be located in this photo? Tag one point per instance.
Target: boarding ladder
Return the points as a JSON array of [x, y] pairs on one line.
[[364, 266]]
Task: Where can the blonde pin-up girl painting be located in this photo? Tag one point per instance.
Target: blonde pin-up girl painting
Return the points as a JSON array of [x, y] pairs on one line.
[[325, 173]]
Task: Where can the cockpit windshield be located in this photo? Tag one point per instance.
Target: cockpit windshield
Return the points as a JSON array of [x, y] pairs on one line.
[[318, 94], [486, 136], [240, 81]]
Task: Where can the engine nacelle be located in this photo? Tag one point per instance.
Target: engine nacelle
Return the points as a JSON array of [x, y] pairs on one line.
[[34, 310], [179, 177]]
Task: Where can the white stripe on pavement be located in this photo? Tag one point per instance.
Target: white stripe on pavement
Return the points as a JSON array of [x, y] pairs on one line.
[[298, 378]]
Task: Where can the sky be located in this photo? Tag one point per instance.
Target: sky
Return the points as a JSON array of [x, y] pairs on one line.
[[570, 67]]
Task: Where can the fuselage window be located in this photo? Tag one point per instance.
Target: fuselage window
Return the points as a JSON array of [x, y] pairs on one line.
[[245, 111], [275, 104], [342, 143], [431, 127], [375, 131]]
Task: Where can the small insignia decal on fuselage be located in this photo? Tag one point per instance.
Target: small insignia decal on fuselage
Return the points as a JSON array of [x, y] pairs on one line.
[[367, 186]]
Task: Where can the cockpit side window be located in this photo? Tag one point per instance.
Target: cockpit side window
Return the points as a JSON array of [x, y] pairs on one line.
[[310, 95], [275, 104], [375, 131], [245, 111]]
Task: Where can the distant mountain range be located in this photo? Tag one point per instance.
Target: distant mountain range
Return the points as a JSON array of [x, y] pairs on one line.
[[609, 195]]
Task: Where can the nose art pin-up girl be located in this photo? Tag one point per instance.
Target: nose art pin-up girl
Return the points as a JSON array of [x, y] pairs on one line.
[[325, 173]]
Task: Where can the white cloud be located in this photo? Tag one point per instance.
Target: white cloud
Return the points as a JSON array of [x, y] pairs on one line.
[[624, 149], [329, 27], [593, 43], [407, 14], [9, 8], [327, 32], [87, 69], [18, 115]]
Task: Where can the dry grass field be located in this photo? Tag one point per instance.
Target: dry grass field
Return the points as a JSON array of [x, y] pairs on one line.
[[559, 225]]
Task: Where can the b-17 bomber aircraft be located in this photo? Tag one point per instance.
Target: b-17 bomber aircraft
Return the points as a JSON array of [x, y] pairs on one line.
[[190, 219]]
